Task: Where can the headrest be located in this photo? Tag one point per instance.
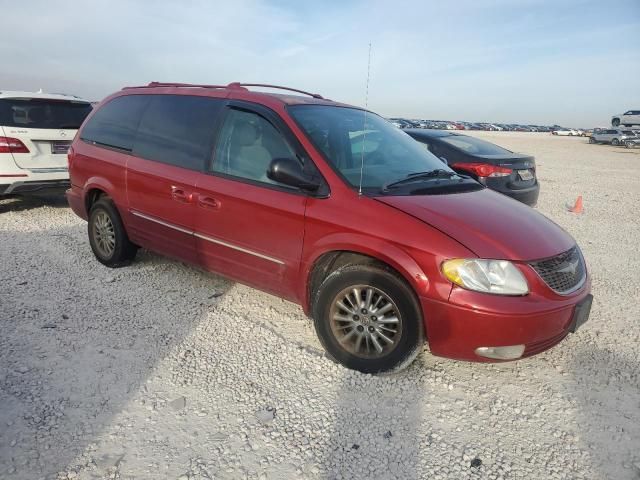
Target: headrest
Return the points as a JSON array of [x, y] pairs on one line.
[[245, 134]]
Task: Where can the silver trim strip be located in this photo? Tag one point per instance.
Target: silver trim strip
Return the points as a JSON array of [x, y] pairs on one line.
[[240, 249], [153, 219], [207, 238]]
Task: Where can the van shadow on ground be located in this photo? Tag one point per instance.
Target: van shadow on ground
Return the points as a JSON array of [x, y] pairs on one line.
[[609, 394], [69, 361], [20, 203]]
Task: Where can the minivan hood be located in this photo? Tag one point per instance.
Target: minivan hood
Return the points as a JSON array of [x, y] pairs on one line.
[[488, 223]]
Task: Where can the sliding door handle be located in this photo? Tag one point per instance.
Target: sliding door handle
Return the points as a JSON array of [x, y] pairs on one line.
[[208, 202]]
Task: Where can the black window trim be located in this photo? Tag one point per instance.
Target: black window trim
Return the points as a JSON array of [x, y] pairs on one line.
[[281, 127]]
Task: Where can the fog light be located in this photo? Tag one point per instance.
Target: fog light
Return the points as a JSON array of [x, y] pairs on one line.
[[501, 353]]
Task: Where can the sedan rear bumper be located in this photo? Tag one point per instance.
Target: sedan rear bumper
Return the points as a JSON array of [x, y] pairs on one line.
[[35, 187]]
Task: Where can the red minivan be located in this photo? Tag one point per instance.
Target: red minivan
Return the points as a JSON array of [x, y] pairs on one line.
[[332, 207]]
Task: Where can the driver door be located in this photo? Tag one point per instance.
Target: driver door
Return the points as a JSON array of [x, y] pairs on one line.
[[249, 227]]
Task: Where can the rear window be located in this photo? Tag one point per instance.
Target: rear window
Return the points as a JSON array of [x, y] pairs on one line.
[[473, 145], [115, 123], [42, 113]]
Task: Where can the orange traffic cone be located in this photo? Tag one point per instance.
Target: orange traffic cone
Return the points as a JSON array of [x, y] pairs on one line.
[[577, 208]]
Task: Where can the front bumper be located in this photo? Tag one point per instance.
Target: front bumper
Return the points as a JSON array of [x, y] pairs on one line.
[[458, 330]]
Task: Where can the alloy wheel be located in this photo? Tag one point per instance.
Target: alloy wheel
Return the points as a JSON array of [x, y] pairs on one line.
[[365, 321], [104, 234]]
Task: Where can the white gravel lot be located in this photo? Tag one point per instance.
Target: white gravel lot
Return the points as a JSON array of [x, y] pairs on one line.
[[160, 370]]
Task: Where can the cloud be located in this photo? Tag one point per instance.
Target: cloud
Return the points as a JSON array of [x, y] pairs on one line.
[[535, 61]]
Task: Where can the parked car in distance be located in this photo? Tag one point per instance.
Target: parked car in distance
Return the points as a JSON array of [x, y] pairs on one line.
[[564, 132], [614, 136], [36, 130], [632, 142], [506, 172], [626, 119], [332, 207]]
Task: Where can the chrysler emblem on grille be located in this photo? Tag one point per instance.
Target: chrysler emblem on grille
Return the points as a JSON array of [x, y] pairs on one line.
[[570, 267]]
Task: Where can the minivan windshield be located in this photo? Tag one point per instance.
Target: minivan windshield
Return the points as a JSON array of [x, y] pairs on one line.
[[381, 151], [42, 113]]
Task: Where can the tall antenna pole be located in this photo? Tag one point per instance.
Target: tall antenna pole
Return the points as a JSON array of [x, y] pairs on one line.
[[364, 127]]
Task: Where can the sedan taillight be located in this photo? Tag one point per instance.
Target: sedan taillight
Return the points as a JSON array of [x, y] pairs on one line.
[[483, 169], [12, 145]]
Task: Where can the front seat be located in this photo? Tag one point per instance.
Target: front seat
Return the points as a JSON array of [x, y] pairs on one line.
[[248, 158]]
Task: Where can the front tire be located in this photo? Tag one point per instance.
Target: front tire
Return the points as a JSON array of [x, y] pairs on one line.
[[615, 122], [592, 140], [615, 142], [107, 236], [368, 319]]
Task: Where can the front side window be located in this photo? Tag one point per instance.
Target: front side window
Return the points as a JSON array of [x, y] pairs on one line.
[[43, 113], [246, 146], [354, 141], [115, 123], [178, 130]]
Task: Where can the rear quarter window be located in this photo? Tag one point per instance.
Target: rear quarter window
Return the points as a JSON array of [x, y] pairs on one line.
[[115, 123], [178, 130]]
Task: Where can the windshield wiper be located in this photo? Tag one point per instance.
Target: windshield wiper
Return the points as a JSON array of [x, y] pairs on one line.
[[412, 177]]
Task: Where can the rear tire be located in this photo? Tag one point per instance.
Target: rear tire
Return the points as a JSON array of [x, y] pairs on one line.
[[383, 334], [107, 236], [615, 142], [615, 122]]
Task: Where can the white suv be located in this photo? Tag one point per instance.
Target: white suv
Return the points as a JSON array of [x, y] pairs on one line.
[[631, 117], [36, 130]]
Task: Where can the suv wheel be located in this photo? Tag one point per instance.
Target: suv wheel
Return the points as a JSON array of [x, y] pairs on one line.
[[367, 319], [615, 142], [592, 140], [107, 237], [615, 122]]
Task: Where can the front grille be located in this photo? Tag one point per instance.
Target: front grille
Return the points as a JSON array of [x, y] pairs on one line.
[[563, 273]]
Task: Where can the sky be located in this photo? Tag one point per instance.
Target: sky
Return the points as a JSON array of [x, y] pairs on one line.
[[573, 62]]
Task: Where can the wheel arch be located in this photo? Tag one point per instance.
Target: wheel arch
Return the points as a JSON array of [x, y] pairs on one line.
[[95, 188], [333, 256]]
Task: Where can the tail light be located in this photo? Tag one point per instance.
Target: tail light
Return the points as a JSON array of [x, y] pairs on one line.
[[70, 154], [12, 145], [483, 169]]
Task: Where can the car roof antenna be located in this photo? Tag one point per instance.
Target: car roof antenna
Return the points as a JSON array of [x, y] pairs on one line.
[[364, 127]]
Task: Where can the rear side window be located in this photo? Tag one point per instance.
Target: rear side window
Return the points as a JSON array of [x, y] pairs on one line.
[[114, 124], [178, 130], [43, 113]]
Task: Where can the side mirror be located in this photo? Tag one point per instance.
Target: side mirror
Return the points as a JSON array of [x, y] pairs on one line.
[[290, 172]]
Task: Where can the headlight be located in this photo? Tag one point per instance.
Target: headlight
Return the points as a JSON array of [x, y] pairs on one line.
[[490, 276]]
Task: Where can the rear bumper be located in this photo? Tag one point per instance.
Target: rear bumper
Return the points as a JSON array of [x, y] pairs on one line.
[[528, 196], [76, 201], [456, 331], [28, 187]]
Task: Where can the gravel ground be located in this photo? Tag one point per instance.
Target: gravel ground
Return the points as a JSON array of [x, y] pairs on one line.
[[162, 371]]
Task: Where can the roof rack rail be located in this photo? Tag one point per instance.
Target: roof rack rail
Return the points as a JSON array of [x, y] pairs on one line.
[[238, 85], [231, 86], [173, 84]]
